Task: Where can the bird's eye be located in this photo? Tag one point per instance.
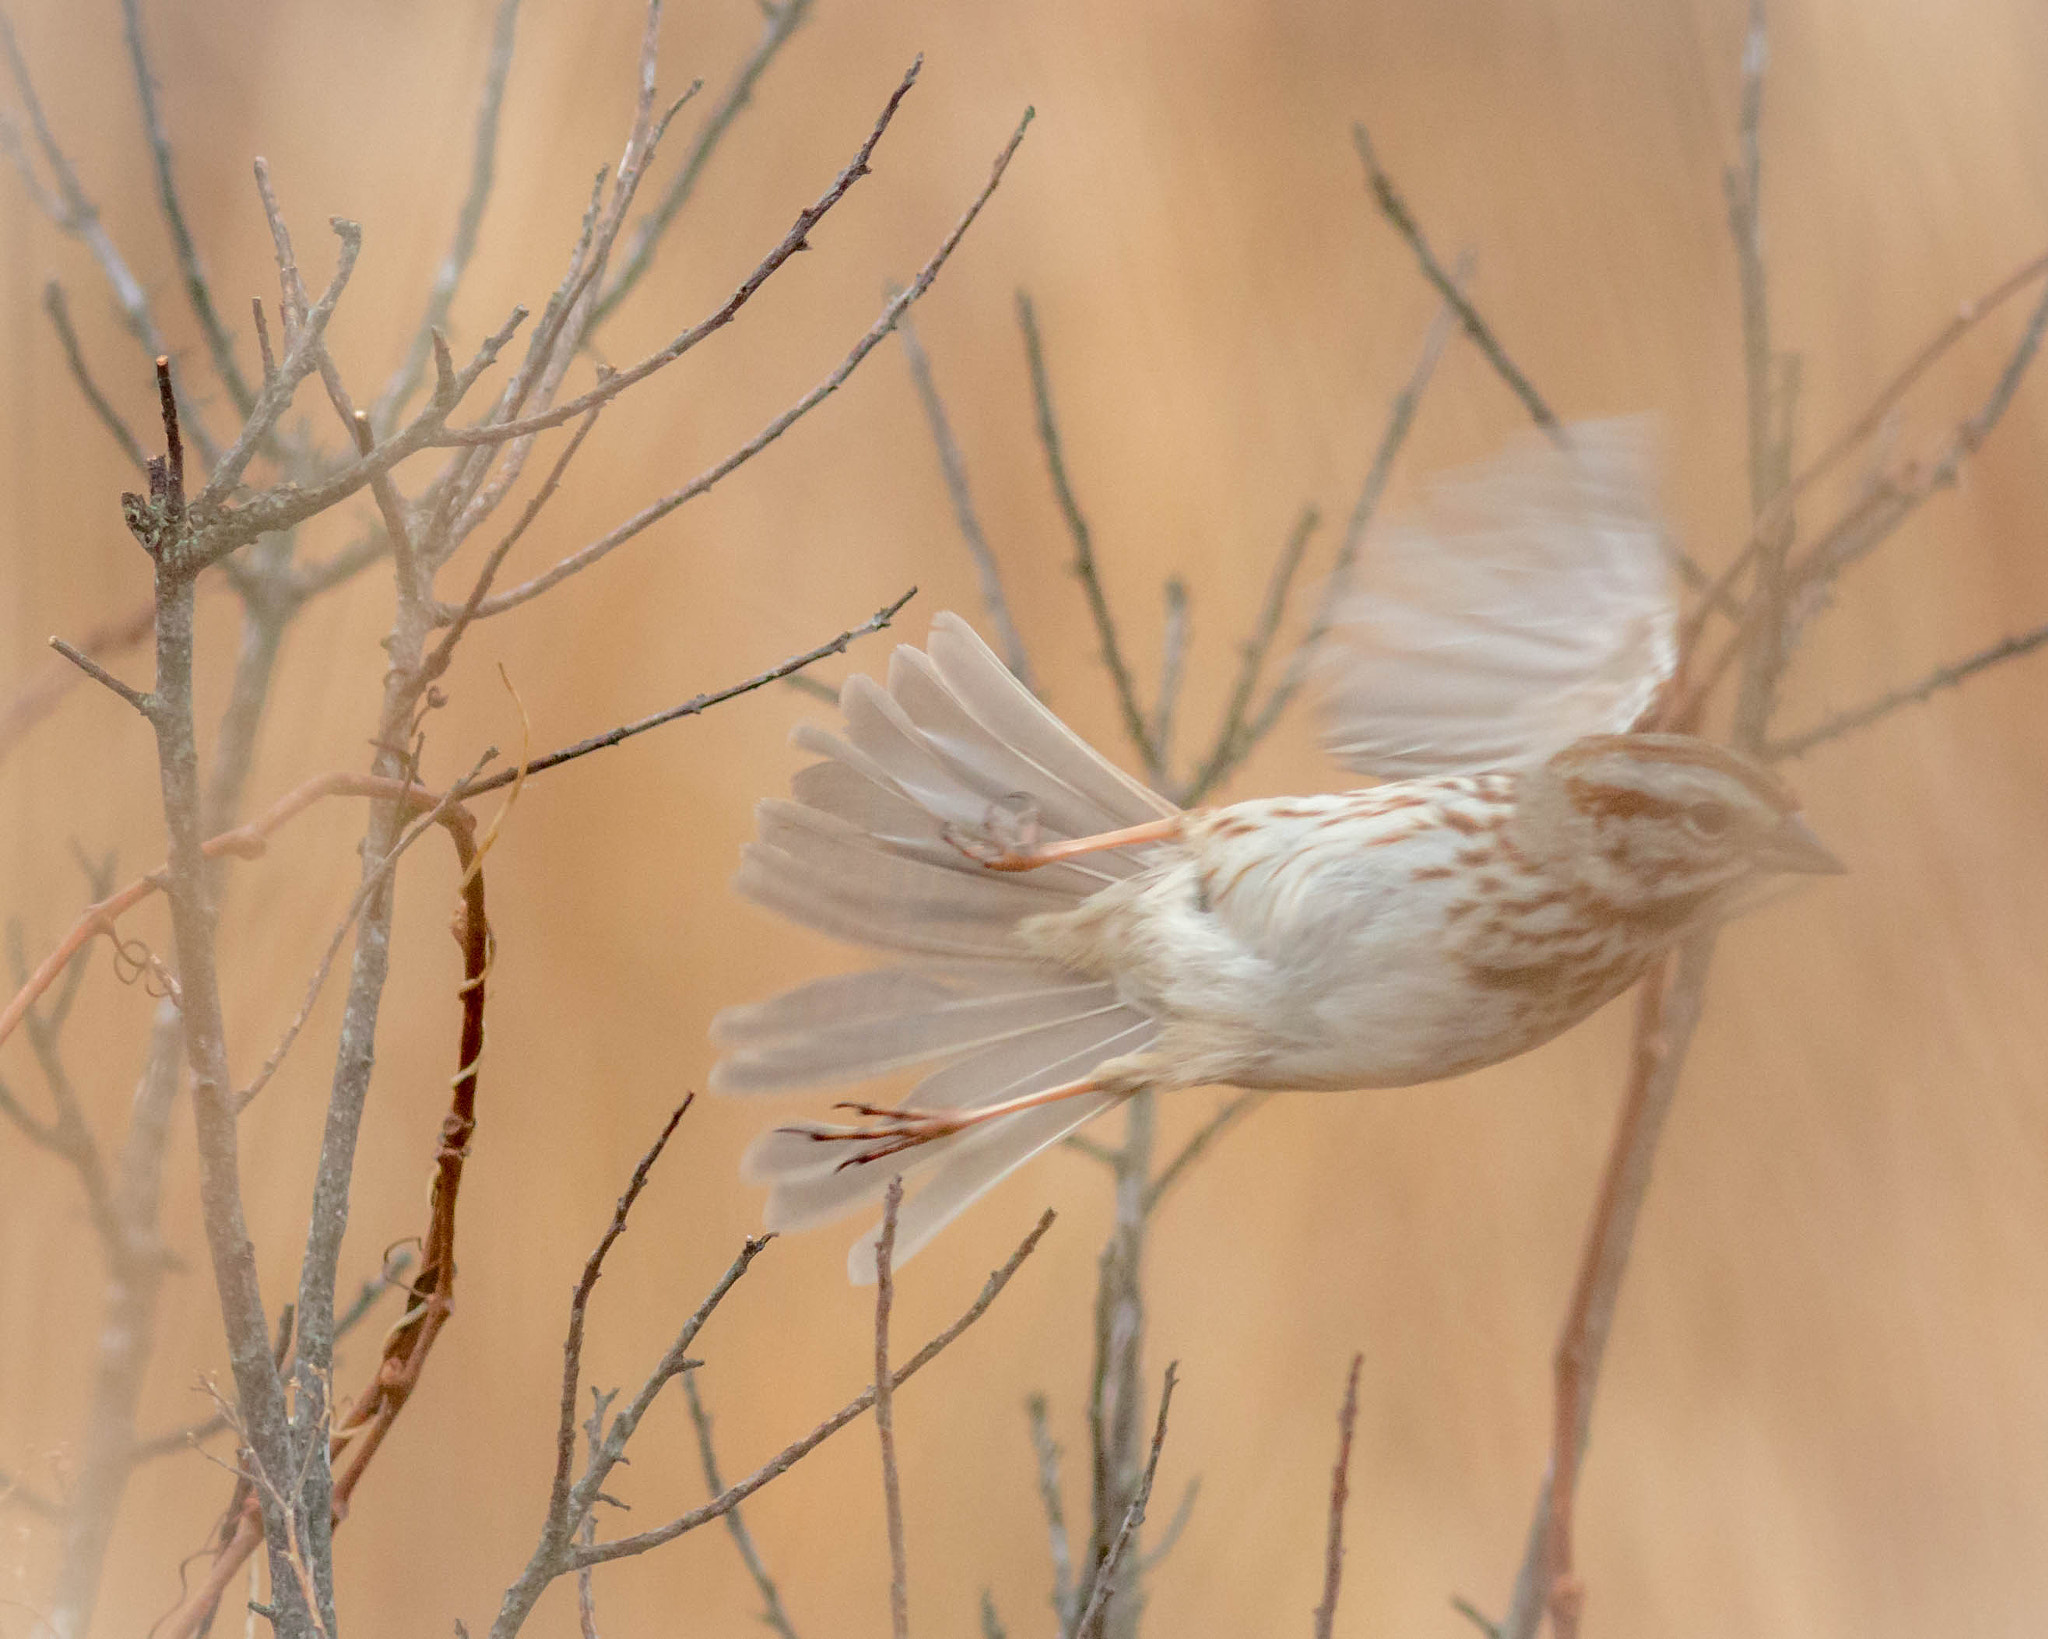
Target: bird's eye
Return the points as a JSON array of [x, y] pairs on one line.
[[1710, 819]]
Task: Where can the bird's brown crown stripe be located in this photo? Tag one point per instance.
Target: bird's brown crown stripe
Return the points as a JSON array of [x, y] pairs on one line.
[[1685, 751]]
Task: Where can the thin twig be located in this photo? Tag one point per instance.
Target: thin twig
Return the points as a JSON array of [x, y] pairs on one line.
[[1047, 1455], [184, 1439], [1173, 656], [39, 698], [1473, 1614], [483, 170], [704, 481], [1085, 570], [782, 20], [100, 675], [1104, 1577], [371, 882], [74, 358], [1009, 640], [579, 1305], [1252, 662], [991, 1624], [1400, 418], [1232, 1112], [773, 1616], [698, 704], [249, 840], [1913, 694], [1395, 209], [219, 345], [1340, 1493], [885, 1413], [797, 239], [796, 1450]]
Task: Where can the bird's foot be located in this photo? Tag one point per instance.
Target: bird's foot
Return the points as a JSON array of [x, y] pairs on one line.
[[1007, 839], [886, 1132]]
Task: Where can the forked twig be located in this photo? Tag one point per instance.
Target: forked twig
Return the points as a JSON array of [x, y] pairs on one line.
[[1103, 1578]]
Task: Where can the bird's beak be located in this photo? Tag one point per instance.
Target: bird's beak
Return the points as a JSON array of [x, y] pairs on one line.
[[1794, 847]]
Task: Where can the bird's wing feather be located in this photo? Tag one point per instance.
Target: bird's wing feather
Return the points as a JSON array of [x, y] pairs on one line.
[[1530, 605]]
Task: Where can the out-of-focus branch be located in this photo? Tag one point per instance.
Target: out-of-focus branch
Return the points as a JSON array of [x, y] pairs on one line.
[[1232, 1112], [1094, 1606], [483, 170], [1173, 657], [219, 345], [1224, 755], [1886, 504], [781, 21], [1913, 694], [1395, 209], [773, 1616], [74, 358], [1009, 640], [1135, 727], [1340, 1493], [1047, 1456], [1400, 418], [71, 210], [885, 1413]]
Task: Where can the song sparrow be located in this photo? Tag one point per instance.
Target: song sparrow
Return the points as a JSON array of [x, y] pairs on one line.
[[1068, 937]]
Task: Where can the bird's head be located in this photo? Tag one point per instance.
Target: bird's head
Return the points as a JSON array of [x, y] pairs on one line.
[[1656, 822]]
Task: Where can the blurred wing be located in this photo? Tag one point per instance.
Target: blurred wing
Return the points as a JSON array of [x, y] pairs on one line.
[[1529, 606]]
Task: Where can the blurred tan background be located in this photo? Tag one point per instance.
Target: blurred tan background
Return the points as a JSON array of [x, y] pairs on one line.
[[1826, 1411]]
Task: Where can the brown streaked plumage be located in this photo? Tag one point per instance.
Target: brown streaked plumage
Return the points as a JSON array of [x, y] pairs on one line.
[[1065, 938]]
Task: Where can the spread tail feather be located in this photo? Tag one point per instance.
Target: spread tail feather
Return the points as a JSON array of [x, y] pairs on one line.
[[861, 852]]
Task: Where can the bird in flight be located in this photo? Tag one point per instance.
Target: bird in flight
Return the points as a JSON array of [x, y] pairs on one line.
[[1060, 938]]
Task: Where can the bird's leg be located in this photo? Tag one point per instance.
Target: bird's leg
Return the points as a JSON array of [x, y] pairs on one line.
[[996, 857], [900, 1130]]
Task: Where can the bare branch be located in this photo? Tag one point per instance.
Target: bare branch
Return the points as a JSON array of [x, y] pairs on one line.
[[560, 1524], [885, 1412], [39, 698], [1233, 1111], [1879, 512], [660, 509], [1400, 418], [772, 1613], [302, 357], [1048, 1457], [219, 345], [796, 1450], [74, 359], [73, 212], [1173, 655], [1667, 1014], [1252, 662], [483, 170], [1913, 694], [1104, 1577], [498, 432], [782, 21], [700, 703], [1395, 209], [372, 881], [1340, 1492], [100, 675], [991, 1624], [1009, 640], [1135, 727]]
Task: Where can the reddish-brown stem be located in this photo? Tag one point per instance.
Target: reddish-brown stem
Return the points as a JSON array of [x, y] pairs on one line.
[[361, 1433]]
